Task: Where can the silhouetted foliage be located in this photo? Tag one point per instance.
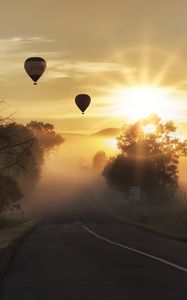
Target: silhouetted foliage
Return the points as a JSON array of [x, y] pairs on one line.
[[149, 158], [10, 193], [22, 151], [45, 134], [99, 161]]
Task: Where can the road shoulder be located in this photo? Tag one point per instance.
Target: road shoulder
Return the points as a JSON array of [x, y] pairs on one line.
[[10, 240]]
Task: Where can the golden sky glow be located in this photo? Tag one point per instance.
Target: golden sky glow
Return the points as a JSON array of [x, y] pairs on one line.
[[140, 101], [130, 56]]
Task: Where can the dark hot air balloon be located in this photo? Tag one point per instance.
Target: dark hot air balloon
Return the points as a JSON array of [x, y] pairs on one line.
[[82, 101], [35, 67]]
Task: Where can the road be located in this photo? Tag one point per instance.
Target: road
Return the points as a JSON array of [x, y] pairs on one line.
[[63, 260]]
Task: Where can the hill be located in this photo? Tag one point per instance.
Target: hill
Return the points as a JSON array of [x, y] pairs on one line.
[[108, 132]]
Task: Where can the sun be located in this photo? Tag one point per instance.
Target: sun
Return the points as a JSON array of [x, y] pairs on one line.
[[150, 128], [140, 101]]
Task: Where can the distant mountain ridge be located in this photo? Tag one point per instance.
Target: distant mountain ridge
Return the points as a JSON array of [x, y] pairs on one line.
[[108, 132]]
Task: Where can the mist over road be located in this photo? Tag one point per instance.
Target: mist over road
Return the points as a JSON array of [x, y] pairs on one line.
[[61, 260]]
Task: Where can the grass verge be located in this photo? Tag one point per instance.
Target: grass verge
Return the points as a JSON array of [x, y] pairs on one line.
[[10, 239], [169, 221], [149, 228]]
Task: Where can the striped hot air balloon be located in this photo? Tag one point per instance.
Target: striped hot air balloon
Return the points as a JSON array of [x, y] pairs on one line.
[[35, 67]]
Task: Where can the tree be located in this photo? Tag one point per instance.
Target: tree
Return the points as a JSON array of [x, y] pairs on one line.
[[10, 193], [22, 150], [20, 153], [45, 134], [99, 161], [21, 159], [150, 152]]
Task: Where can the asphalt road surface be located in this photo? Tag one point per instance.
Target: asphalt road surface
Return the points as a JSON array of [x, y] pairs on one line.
[[83, 257]]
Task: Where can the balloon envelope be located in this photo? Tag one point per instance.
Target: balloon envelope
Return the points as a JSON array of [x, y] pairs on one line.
[[35, 67], [82, 101]]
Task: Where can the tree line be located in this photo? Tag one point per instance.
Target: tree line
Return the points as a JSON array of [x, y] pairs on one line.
[[22, 153]]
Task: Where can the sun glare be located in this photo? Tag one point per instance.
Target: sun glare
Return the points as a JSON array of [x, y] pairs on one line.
[[150, 128], [141, 101], [112, 143]]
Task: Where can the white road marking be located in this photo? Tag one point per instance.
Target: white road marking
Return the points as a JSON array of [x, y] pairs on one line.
[[136, 251]]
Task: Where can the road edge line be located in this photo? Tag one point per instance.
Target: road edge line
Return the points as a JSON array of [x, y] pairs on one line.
[[168, 263]]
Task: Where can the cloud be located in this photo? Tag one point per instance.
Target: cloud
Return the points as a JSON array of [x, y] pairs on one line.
[[60, 64], [61, 69], [14, 50], [10, 44]]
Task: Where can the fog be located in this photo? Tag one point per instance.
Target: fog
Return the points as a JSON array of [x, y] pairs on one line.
[[67, 177]]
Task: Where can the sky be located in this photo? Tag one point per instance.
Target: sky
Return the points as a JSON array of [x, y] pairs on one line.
[[129, 55]]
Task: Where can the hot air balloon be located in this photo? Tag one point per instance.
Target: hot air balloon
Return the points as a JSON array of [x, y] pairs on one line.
[[35, 67], [82, 101]]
